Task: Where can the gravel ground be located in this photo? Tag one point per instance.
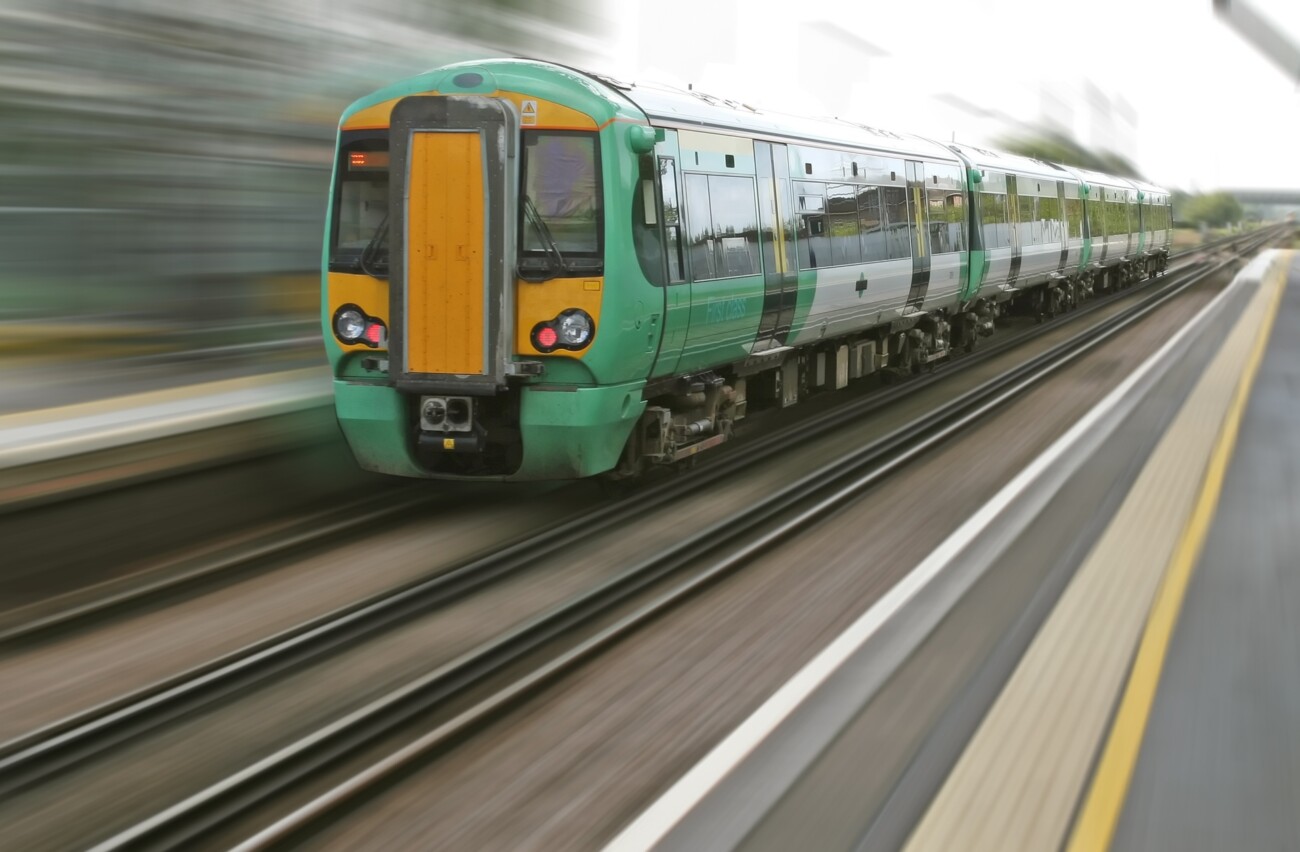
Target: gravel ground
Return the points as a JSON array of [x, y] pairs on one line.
[[581, 761]]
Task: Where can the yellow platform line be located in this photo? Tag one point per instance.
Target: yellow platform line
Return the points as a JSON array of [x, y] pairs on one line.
[[1104, 801]]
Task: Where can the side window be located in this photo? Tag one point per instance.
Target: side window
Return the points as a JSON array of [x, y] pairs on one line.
[[871, 224], [1096, 219], [894, 200], [1031, 230], [699, 221], [1116, 224], [993, 218], [723, 226], [947, 220], [672, 218], [1049, 213], [842, 207], [814, 239], [1074, 217]]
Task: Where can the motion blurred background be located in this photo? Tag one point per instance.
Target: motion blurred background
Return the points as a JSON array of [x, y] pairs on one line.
[[166, 161]]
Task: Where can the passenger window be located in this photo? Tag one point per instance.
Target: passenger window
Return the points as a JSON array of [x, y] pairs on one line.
[[814, 242], [1029, 229], [1096, 221], [947, 220], [1049, 214], [993, 219], [894, 199], [1074, 217], [842, 205], [724, 226], [871, 224]]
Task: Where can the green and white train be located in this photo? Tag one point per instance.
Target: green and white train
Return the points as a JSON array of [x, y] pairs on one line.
[[533, 272]]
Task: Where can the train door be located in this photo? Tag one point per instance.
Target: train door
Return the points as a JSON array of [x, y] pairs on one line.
[[677, 289], [1013, 217], [1063, 226], [780, 267], [919, 227]]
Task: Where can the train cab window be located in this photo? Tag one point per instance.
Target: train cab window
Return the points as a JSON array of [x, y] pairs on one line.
[[359, 240], [723, 222], [560, 221]]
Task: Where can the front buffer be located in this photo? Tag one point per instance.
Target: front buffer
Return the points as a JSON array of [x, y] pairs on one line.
[[565, 433]]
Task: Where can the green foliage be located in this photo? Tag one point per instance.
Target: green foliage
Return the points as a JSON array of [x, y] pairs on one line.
[[1215, 209], [1057, 148]]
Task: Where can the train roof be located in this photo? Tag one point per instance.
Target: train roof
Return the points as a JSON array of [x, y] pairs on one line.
[[987, 158], [670, 106]]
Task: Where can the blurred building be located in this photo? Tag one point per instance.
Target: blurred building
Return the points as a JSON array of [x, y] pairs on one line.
[[170, 157]]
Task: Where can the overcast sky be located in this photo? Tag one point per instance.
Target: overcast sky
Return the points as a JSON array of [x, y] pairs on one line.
[[1163, 82]]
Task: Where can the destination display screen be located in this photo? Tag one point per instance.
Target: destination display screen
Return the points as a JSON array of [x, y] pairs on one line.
[[365, 161]]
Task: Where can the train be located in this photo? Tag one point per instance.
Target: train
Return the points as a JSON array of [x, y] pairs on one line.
[[535, 272]]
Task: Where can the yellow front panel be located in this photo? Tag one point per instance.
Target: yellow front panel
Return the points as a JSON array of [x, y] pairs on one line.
[[536, 303], [445, 243], [367, 293]]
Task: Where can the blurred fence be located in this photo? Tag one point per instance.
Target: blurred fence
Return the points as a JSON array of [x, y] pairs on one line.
[[168, 159]]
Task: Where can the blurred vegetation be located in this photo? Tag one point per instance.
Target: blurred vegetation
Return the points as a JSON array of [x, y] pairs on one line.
[[1213, 209], [1058, 148], [169, 158]]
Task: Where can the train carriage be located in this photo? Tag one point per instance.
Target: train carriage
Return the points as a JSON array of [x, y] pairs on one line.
[[532, 272]]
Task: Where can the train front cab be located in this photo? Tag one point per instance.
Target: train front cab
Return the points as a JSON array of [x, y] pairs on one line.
[[467, 253]]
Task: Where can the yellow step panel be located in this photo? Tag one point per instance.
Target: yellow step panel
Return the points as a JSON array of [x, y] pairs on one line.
[[445, 236]]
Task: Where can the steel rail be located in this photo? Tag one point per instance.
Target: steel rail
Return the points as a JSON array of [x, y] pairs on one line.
[[30, 758], [778, 515], [180, 572]]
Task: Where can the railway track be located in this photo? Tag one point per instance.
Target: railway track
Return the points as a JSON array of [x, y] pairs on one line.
[[544, 647], [196, 572]]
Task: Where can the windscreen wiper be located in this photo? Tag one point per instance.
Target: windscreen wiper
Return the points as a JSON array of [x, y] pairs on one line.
[[530, 211], [370, 263]]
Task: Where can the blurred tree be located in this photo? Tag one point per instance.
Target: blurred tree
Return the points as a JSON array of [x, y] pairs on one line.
[[1058, 148], [1215, 209]]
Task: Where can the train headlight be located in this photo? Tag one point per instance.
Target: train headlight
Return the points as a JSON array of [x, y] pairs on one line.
[[349, 323], [351, 326], [572, 329], [575, 329]]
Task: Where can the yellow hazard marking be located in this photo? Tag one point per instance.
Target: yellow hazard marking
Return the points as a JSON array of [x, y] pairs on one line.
[[1095, 827], [449, 443]]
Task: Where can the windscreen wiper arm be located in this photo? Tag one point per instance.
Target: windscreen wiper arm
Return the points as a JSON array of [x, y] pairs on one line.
[[530, 210], [370, 254]]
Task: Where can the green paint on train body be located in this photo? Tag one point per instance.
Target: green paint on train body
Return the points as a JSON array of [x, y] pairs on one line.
[[575, 418]]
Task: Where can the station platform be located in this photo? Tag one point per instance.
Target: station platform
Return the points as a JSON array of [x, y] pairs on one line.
[[53, 452], [1128, 614], [1158, 707], [1218, 766]]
